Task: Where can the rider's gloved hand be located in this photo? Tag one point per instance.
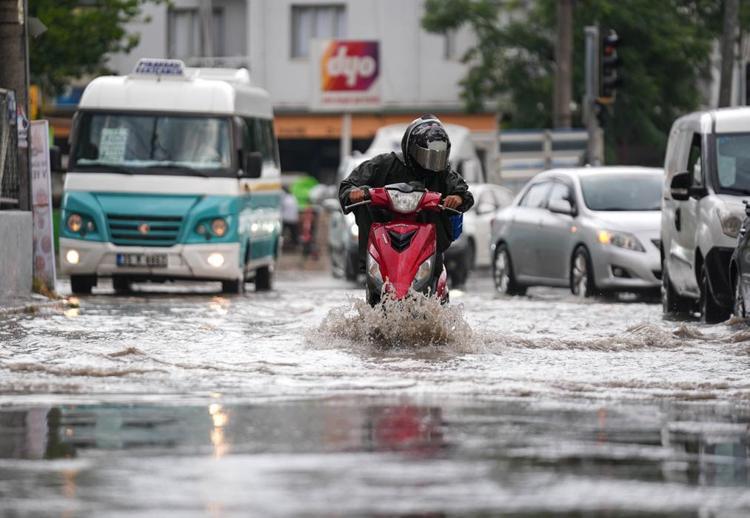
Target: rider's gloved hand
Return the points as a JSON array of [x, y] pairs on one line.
[[356, 195], [453, 201]]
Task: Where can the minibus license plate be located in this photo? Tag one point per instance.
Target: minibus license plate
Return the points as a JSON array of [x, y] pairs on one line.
[[143, 260]]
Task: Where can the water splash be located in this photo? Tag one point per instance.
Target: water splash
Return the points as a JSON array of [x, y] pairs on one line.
[[414, 322]]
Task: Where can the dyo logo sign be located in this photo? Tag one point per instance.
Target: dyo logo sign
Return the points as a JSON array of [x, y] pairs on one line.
[[350, 66]]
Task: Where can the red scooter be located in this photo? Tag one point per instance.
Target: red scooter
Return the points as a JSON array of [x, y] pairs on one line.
[[402, 252]]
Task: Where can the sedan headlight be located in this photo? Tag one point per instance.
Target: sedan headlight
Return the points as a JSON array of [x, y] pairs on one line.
[[373, 269], [423, 273], [405, 202], [620, 239], [730, 224]]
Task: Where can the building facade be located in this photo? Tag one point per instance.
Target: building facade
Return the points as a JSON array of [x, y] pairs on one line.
[[420, 72]]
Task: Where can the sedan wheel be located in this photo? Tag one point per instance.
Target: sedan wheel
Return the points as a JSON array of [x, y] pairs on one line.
[[581, 280], [502, 273]]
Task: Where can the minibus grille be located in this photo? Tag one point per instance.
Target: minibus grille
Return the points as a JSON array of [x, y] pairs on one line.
[[128, 230]]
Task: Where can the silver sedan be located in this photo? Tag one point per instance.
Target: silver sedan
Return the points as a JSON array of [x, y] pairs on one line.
[[594, 229]]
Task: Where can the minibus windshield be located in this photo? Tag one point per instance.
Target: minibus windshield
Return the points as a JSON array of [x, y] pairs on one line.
[[622, 192], [733, 162], [143, 144]]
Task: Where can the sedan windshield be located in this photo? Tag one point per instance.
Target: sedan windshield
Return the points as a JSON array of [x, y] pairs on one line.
[[733, 161], [622, 192], [153, 143]]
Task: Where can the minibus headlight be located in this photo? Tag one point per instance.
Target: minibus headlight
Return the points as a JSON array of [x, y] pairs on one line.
[[75, 223], [216, 260], [72, 257], [219, 227]]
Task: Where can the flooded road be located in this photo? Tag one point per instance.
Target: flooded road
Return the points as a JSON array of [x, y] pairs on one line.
[[288, 403]]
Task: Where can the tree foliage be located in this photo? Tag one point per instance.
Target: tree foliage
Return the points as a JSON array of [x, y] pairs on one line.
[[80, 34], [665, 48]]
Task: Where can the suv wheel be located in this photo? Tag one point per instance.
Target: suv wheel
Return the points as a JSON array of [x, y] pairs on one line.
[[739, 300], [711, 312]]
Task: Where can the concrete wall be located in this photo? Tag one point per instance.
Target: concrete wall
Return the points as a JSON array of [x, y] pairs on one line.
[[15, 254], [416, 72]]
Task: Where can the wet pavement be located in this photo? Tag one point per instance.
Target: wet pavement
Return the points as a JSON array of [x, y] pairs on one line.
[[304, 402]]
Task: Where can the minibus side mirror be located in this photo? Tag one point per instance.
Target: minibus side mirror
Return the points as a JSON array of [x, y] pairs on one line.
[[679, 186], [252, 164], [55, 159]]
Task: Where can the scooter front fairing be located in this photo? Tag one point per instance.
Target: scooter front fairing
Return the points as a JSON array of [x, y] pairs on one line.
[[405, 255]]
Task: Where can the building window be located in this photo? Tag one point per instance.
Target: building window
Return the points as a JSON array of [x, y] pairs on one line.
[[315, 21], [185, 36]]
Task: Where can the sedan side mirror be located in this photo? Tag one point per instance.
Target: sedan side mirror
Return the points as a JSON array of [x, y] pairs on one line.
[[252, 164], [560, 207], [485, 208], [679, 186]]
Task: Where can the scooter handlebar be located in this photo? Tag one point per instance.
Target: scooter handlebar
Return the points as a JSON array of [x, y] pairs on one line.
[[450, 210], [358, 204]]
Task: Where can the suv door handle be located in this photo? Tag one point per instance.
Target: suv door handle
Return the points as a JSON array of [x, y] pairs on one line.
[[678, 218]]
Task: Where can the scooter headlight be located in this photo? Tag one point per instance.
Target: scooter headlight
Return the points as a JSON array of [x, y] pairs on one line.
[[404, 202], [354, 232], [423, 273], [373, 268]]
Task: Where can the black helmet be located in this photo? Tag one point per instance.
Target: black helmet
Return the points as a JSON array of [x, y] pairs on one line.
[[426, 144]]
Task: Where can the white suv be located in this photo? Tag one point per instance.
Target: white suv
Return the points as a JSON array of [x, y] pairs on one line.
[[707, 175]]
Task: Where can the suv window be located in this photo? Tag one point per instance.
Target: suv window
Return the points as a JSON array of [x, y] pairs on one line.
[[536, 196], [694, 158]]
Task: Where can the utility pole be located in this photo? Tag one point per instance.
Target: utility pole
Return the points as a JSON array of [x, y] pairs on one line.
[[728, 42], [563, 64], [14, 76], [595, 149]]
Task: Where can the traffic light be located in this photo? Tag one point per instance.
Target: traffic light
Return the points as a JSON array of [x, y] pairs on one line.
[[610, 68]]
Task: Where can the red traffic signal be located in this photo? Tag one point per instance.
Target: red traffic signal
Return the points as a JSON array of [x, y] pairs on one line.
[[611, 77]]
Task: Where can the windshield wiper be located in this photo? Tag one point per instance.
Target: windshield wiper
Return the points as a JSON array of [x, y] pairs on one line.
[[180, 168], [112, 168]]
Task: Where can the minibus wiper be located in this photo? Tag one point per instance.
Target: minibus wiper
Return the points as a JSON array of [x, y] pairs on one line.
[[107, 167], [180, 168]]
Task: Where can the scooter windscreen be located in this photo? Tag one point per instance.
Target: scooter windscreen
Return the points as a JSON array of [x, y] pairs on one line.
[[405, 198]]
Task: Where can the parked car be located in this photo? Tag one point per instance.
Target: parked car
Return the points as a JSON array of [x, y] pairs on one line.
[[594, 229], [343, 233], [471, 249], [707, 175], [739, 268]]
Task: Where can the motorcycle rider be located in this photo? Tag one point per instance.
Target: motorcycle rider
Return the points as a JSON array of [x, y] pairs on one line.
[[425, 147]]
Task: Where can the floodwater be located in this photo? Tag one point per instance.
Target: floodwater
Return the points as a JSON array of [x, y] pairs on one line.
[[305, 401]]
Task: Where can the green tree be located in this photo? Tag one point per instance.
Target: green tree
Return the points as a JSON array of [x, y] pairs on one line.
[[665, 48], [80, 34]]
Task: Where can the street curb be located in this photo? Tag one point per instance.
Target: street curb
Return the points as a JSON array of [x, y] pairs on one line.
[[33, 307]]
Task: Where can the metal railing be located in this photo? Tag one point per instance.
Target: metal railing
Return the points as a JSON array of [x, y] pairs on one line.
[[10, 179]]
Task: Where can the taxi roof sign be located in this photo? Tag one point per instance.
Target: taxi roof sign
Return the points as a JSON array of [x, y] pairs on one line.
[[159, 67]]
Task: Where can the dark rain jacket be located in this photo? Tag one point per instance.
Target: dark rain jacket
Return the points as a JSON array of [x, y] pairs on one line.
[[391, 168]]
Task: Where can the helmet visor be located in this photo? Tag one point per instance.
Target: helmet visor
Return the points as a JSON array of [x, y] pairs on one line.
[[433, 158]]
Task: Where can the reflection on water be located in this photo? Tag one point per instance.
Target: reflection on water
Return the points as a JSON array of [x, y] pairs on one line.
[[360, 455]]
